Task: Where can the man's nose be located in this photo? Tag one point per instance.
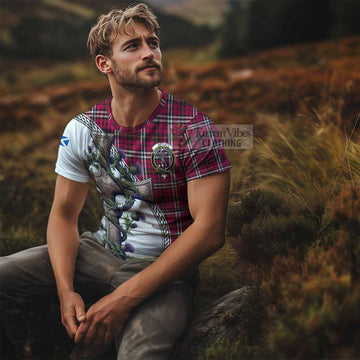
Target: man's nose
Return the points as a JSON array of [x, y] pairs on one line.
[[147, 52]]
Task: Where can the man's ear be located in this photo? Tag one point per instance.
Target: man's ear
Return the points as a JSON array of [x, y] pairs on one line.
[[103, 63]]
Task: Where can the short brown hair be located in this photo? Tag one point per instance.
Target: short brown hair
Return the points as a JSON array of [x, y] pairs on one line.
[[108, 26]]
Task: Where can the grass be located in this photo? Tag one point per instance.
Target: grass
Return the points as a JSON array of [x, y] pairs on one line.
[[36, 75]]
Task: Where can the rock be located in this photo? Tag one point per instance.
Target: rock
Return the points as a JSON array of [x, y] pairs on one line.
[[227, 319]]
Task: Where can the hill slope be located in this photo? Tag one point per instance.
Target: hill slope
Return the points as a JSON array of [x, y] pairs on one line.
[[207, 12]]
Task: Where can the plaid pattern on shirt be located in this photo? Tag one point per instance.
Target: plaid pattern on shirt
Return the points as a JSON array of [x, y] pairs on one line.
[[176, 144]]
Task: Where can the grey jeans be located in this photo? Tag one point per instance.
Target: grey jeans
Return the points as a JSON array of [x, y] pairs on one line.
[[152, 328]]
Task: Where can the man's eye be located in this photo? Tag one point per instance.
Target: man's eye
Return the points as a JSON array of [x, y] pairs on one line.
[[154, 44], [131, 47]]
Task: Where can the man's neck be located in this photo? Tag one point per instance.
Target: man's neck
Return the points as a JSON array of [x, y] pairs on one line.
[[131, 108]]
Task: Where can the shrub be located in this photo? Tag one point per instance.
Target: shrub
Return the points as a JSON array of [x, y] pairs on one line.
[[264, 238], [314, 312], [254, 204], [267, 224], [346, 209]]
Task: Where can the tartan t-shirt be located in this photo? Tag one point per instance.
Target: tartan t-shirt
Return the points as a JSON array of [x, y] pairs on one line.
[[141, 172]]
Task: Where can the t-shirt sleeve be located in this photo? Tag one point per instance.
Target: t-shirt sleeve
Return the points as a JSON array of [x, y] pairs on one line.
[[203, 152], [72, 153]]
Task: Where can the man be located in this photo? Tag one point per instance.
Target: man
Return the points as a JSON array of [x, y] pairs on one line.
[[164, 195]]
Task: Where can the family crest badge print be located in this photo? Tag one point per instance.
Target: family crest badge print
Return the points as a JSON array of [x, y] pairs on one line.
[[163, 158]]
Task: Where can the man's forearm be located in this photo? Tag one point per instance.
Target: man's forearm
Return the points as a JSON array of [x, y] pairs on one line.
[[63, 244], [62, 231], [194, 245]]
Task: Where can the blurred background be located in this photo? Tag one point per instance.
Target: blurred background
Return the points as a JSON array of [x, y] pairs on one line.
[[290, 68]]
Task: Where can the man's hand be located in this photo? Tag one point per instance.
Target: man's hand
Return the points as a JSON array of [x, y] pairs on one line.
[[104, 319], [72, 312]]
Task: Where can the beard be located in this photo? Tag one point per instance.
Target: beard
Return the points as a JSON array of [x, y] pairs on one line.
[[132, 80]]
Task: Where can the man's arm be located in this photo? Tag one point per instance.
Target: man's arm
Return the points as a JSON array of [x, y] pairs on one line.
[[208, 200], [63, 243]]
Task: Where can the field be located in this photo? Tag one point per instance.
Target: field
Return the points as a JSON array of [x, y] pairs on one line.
[[294, 215]]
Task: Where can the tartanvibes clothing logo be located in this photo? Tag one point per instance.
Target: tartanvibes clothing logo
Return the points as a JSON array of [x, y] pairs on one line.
[[229, 136], [163, 158]]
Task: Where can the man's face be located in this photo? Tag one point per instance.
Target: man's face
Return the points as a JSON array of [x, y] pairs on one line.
[[136, 59]]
